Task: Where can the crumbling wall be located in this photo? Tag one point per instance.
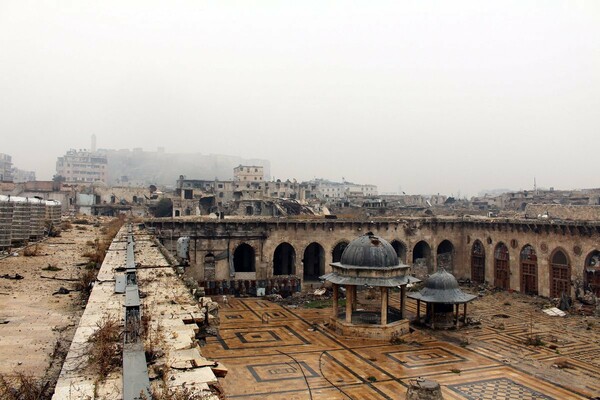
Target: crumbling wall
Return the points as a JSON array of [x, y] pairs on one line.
[[564, 212]]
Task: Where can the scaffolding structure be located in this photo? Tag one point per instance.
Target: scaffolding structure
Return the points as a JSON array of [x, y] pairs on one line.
[[26, 218]]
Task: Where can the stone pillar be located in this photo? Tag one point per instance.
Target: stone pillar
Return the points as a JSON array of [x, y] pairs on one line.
[[384, 305], [465, 315], [403, 301], [349, 301], [354, 296], [335, 301], [456, 311]]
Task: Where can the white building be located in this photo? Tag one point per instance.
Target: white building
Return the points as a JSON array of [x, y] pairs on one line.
[[82, 166], [248, 173], [5, 168], [20, 175], [324, 189]]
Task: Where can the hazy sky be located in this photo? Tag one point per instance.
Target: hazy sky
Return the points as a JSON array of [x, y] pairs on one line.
[[430, 96]]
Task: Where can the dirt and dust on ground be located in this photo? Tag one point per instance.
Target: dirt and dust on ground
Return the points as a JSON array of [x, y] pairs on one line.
[[43, 292]]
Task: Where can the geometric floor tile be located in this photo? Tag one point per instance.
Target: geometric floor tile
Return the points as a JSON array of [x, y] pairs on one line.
[[590, 356], [274, 352], [497, 389], [257, 337], [280, 371], [425, 357]]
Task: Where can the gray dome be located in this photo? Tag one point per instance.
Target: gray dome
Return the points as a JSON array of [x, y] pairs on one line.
[[441, 280], [442, 287], [369, 251]]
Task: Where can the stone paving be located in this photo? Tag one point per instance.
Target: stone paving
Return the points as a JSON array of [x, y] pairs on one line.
[[286, 358]]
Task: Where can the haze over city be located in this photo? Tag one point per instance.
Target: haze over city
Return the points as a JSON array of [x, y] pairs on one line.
[[424, 98]]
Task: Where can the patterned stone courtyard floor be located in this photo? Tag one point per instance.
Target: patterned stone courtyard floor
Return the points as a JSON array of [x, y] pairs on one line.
[[287, 359]]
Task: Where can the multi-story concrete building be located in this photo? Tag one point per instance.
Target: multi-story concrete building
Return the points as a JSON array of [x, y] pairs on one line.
[[5, 168], [323, 189], [20, 175], [82, 166], [248, 173]]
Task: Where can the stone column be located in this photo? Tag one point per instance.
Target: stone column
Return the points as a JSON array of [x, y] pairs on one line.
[[335, 301], [403, 301], [349, 301], [384, 305], [354, 296], [456, 312]]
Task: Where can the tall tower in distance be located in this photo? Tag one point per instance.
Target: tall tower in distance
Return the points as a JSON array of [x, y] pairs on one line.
[[93, 143]]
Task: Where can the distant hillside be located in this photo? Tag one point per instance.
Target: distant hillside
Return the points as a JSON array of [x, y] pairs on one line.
[[160, 168]]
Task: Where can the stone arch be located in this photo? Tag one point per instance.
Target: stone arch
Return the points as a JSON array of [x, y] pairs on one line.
[[422, 257], [560, 273], [501, 266], [591, 273], [284, 259], [244, 258], [400, 250], [478, 262], [528, 267], [177, 213], [338, 249], [445, 256], [313, 261]]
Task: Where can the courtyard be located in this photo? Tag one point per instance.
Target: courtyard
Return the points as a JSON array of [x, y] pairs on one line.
[[286, 352]]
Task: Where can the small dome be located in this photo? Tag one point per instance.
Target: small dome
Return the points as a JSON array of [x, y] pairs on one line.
[[442, 287], [441, 280], [369, 251]]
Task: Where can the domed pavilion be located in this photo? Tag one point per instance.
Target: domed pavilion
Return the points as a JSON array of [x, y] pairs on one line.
[[443, 297], [369, 262]]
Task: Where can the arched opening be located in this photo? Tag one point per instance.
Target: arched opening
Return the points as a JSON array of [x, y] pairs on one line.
[[243, 258], [135, 199], [209, 266], [501, 267], [445, 258], [339, 248], [400, 250], [529, 270], [591, 273], [177, 213], [560, 274], [314, 262], [249, 210], [422, 256], [284, 260], [478, 262]]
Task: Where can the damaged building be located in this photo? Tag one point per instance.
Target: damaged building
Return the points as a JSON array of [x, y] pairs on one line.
[[543, 257]]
